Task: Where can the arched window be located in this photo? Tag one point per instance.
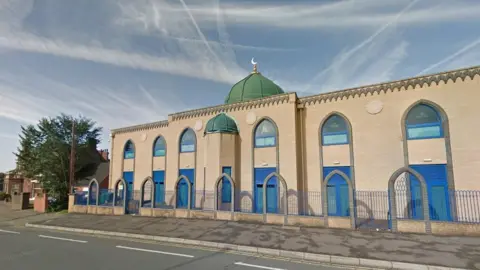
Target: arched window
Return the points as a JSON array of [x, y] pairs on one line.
[[187, 141], [265, 134], [159, 147], [335, 131], [129, 151], [423, 122]]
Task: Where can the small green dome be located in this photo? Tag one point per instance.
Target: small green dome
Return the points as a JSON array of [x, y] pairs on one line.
[[221, 123], [251, 87]]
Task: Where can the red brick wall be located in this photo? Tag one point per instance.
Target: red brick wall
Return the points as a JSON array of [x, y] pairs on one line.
[[40, 204], [104, 184]]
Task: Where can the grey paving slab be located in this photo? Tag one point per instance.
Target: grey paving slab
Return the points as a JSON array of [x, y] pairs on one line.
[[455, 252]]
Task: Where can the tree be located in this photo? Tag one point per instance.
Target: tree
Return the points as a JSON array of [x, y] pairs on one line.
[[44, 152]]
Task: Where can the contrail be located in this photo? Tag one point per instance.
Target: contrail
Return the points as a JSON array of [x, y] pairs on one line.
[[349, 53], [449, 58]]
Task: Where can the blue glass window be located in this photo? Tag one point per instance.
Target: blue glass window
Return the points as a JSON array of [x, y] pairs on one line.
[[159, 147], [129, 151], [226, 186], [265, 134], [423, 122], [187, 141], [335, 131]]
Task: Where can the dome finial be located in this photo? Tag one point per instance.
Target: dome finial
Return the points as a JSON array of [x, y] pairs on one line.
[[254, 65]]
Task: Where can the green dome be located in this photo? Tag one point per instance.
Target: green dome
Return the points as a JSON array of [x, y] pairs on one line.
[[221, 123], [252, 87]]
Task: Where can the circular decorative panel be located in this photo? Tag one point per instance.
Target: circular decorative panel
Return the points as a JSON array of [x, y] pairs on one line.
[[251, 118], [374, 107], [198, 125], [143, 137]]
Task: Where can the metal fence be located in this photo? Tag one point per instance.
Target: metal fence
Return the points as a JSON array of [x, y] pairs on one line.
[[105, 197], [372, 208], [81, 197]]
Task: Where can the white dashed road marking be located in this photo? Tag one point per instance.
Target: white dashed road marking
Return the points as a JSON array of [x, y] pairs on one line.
[[12, 232], [156, 251], [63, 239], [258, 266]]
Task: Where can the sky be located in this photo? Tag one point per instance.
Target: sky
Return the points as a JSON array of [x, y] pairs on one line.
[[124, 62]]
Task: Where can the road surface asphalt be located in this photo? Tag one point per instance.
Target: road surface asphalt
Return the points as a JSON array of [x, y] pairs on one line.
[[26, 248]]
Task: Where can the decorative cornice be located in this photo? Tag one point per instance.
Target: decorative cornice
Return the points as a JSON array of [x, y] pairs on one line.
[[394, 85], [309, 100], [251, 104], [147, 126]]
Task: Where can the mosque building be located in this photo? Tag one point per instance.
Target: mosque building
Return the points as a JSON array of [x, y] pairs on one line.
[[311, 155]]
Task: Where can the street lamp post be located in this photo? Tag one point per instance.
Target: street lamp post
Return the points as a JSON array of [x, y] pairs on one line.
[[72, 159]]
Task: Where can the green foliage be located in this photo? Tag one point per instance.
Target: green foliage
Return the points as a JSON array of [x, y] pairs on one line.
[[44, 152], [5, 197]]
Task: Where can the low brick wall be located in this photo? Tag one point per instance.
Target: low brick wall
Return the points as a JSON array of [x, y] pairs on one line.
[[182, 213], [451, 228], [81, 209], [275, 219], [403, 225], [118, 210], [146, 212], [224, 215], [308, 221], [202, 214], [40, 203], [411, 226], [249, 217], [339, 222], [161, 212]]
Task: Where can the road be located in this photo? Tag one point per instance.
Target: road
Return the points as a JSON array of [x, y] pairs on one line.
[[26, 248]]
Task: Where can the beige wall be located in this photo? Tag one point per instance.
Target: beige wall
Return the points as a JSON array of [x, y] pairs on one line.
[[282, 114], [377, 141]]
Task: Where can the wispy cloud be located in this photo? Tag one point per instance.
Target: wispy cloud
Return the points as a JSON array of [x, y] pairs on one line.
[[339, 14], [169, 65], [110, 108], [189, 61], [456, 60], [345, 68]]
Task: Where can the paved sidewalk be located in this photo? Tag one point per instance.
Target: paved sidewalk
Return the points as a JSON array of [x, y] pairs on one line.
[[456, 252], [11, 217]]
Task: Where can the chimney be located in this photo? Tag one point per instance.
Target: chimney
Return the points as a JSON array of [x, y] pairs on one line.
[[104, 154]]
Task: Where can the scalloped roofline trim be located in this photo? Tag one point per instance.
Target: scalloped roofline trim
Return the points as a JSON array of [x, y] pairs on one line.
[[214, 110], [399, 85], [404, 84], [141, 127]]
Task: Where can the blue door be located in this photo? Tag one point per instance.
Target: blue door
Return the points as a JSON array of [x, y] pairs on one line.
[[182, 193], [272, 190], [128, 177], [437, 189], [159, 181], [337, 192], [416, 198], [226, 186]]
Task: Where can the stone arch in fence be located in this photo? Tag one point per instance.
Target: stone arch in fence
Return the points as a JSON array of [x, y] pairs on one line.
[[119, 182], [350, 196], [147, 180], [189, 193], [285, 190], [393, 198], [216, 193], [90, 187]]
